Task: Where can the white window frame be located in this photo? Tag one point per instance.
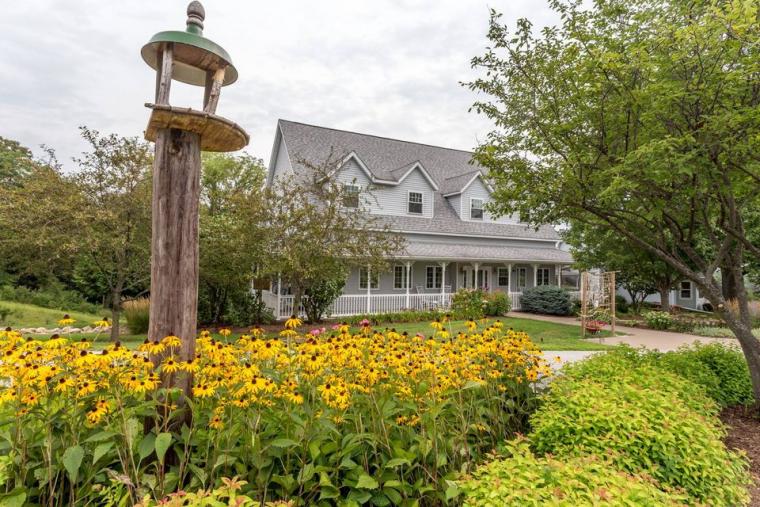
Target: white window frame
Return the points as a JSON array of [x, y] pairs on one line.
[[482, 211], [437, 277], [498, 277], [404, 282], [522, 276], [409, 202], [543, 276], [681, 289], [350, 189], [375, 279]]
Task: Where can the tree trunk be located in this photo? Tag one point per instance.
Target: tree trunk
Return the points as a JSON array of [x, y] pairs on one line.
[[664, 291], [174, 251], [115, 314], [741, 326], [728, 277]]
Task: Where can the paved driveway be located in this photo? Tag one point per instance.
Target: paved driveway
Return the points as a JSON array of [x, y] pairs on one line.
[[635, 337]]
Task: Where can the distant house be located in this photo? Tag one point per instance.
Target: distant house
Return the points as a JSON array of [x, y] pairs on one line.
[[435, 197]]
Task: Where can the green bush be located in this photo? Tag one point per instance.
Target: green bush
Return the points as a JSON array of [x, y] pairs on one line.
[[395, 317], [137, 313], [648, 421], [621, 304], [468, 303], [322, 293], [497, 304], [733, 386], [547, 299], [658, 320], [520, 478], [54, 297]]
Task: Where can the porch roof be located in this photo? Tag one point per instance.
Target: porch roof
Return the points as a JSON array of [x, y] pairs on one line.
[[463, 252]]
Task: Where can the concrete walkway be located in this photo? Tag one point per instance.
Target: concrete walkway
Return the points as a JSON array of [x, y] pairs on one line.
[[635, 337]]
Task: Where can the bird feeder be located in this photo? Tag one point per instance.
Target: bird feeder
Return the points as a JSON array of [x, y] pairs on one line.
[[188, 57], [180, 134]]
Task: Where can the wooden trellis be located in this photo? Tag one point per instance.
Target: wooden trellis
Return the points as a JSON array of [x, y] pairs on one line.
[[597, 296]]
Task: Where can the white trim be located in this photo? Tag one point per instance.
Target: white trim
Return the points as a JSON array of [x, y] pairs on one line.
[[434, 269], [422, 203], [467, 185], [482, 210], [415, 165], [403, 277], [681, 289], [548, 275], [498, 269], [517, 283], [460, 235], [369, 280]]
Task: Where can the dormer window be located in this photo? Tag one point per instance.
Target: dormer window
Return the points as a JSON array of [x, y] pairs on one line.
[[476, 209], [414, 203], [351, 196]]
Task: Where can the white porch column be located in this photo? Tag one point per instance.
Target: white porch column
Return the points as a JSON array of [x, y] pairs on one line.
[[279, 295], [408, 281], [509, 278], [535, 275], [558, 272], [475, 265], [443, 279], [369, 289]]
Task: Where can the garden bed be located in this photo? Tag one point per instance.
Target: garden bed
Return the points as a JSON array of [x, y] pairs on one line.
[[744, 433]]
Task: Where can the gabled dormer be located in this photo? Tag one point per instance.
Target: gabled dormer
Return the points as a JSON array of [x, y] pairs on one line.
[[468, 194]]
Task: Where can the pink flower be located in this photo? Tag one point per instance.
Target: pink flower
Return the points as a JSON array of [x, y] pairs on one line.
[[364, 322], [420, 335], [316, 332], [335, 327]]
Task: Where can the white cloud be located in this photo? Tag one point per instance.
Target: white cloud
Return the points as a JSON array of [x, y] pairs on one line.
[[387, 67]]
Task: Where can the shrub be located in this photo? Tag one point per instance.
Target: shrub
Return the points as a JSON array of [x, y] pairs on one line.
[[547, 299], [54, 297], [394, 317], [734, 385], [327, 418], [246, 308], [520, 478], [137, 313], [5, 312], [497, 304], [621, 304], [468, 303], [648, 421], [658, 320], [320, 295]]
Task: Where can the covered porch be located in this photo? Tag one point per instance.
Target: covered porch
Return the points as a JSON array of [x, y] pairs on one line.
[[427, 284]]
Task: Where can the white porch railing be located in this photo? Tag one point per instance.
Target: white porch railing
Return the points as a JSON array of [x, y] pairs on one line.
[[362, 304]]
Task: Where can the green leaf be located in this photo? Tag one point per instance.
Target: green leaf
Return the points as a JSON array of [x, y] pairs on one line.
[[396, 462], [224, 459], [452, 490], [15, 498], [366, 482], [163, 441], [100, 436], [283, 443], [72, 460], [147, 444], [100, 451]]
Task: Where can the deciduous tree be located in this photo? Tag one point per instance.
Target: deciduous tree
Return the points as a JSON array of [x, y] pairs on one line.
[[642, 116]]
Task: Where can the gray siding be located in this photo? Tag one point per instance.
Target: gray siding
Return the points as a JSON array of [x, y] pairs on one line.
[[478, 190]]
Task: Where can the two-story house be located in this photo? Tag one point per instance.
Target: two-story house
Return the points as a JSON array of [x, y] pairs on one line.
[[436, 198]]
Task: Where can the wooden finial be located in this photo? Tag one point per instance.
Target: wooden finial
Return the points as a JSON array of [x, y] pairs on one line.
[[195, 16]]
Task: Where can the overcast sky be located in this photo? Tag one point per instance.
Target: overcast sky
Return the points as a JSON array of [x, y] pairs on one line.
[[384, 67]]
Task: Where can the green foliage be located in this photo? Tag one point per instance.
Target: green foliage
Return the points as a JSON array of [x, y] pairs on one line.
[[15, 162], [496, 304], [621, 304], [658, 320], [54, 297], [320, 294], [547, 299], [137, 313], [398, 317], [518, 478], [5, 312], [648, 421], [469, 303]]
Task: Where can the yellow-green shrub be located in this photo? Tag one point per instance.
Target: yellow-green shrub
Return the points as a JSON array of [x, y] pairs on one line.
[[642, 420], [519, 478], [137, 313]]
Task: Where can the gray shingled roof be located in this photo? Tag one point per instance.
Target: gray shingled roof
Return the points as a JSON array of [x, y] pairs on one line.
[[388, 159], [486, 253]]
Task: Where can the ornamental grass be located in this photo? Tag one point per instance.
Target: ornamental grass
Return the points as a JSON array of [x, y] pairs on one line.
[[343, 417]]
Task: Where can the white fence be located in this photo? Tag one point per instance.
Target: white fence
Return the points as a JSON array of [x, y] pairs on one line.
[[362, 304]]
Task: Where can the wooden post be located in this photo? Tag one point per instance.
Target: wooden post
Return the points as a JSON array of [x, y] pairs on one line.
[[174, 246], [164, 73], [211, 96]]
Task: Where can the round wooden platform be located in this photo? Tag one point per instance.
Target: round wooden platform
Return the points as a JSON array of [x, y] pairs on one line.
[[217, 133]]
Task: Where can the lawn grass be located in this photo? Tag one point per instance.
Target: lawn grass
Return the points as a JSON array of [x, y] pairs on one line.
[[24, 315], [547, 335]]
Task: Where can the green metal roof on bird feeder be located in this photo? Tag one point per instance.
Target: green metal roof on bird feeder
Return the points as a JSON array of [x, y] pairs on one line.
[[194, 55], [191, 58]]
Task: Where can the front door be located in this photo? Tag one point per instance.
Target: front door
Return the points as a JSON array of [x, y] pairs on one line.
[[484, 279]]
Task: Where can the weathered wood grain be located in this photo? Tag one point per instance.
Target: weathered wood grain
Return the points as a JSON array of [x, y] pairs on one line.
[[217, 133]]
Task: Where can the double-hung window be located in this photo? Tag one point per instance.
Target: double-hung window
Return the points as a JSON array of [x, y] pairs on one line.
[[542, 276], [685, 289], [399, 277], [503, 277], [522, 277], [414, 203], [476, 209], [434, 277], [364, 277], [351, 196]]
